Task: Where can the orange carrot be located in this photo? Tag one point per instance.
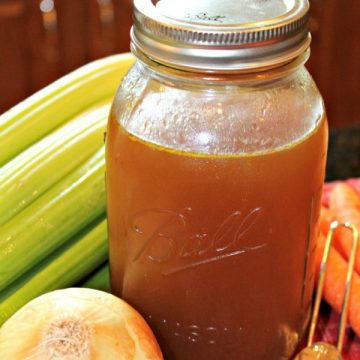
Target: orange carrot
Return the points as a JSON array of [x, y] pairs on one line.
[[344, 196], [345, 205], [327, 189], [335, 283], [354, 183]]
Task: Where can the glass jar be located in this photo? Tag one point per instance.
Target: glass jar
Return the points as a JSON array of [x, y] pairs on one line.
[[215, 162]]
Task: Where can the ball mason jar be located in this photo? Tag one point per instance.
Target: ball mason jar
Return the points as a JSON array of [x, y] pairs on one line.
[[216, 148]]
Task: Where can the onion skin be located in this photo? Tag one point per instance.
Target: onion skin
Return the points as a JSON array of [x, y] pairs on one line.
[[77, 323]]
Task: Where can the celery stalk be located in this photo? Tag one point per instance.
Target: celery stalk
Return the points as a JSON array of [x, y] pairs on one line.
[[35, 117], [100, 280], [30, 174], [61, 269], [52, 219]]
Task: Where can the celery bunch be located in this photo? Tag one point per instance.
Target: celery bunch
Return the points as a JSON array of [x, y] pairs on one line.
[[52, 184], [100, 280], [32, 172], [41, 113], [52, 219], [64, 268]]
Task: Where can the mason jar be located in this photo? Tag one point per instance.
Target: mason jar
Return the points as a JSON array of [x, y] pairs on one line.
[[216, 148]]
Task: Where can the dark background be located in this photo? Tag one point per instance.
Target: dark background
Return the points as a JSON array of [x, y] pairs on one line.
[[40, 40]]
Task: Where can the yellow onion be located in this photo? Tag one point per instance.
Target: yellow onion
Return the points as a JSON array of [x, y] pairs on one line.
[[77, 324]]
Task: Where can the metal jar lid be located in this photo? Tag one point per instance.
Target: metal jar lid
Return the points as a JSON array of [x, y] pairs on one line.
[[220, 35]]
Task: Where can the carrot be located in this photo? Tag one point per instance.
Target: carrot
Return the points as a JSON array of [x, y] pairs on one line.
[[343, 196], [345, 205], [326, 217], [334, 284], [327, 189], [354, 183]]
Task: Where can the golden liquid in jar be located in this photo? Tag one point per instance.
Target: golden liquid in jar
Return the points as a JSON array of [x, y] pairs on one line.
[[215, 251]]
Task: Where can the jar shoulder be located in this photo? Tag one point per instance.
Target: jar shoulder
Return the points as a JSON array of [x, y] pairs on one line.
[[229, 117]]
